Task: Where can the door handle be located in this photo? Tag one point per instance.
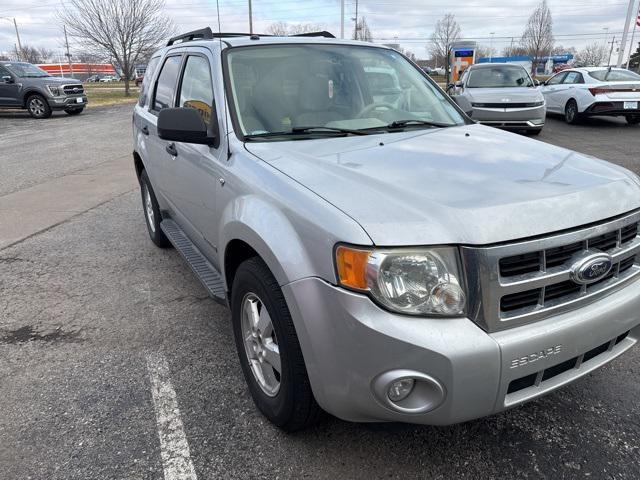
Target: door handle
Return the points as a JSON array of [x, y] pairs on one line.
[[145, 130], [171, 150]]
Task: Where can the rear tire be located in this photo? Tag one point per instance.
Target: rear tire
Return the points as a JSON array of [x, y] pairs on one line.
[[38, 107], [283, 396], [633, 119], [571, 115], [151, 210], [74, 111]]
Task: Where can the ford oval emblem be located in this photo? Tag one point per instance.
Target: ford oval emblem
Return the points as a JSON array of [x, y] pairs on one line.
[[592, 268]]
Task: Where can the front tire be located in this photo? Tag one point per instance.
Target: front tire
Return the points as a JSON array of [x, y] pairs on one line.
[[269, 350], [571, 115], [151, 210], [633, 119], [74, 111], [38, 107]]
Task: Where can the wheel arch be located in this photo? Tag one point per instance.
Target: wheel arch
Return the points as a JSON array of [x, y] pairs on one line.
[[138, 164], [30, 92]]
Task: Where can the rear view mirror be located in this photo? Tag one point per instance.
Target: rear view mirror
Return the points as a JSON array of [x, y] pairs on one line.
[[185, 125], [7, 79]]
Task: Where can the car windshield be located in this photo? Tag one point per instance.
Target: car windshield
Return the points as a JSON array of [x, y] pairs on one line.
[[499, 77], [26, 70], [607, 75], [338, 89]]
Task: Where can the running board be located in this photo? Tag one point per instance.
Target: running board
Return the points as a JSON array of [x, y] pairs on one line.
[[206, 273]]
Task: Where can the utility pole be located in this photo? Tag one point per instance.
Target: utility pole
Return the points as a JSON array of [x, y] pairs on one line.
[[633, 36], [342, 19], [611, 50], [623, 45], [491, 47], [356, 20], [66, 41], [250, 19], [15, 25]]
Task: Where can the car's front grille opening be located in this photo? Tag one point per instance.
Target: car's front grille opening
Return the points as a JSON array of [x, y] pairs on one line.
[[623, 336], [560, 368], [559, 290], [519, 300], [522, 383], [595, 352], [573, 363], [531, 262], [73, 89]]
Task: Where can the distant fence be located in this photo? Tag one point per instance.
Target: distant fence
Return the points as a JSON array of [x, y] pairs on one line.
[[80, 71]]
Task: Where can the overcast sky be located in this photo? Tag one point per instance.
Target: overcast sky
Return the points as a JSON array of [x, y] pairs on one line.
[[576, 22]]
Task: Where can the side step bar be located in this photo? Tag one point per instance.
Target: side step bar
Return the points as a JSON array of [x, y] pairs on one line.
[[206, 273]]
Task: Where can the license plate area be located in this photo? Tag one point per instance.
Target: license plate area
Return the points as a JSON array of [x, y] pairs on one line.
[[630, 105]]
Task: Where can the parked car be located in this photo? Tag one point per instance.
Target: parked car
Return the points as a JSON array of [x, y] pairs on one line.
[[501, 95], [25, 86], [439, 71], [382, 261], [429, 71], [138, 81], [577, 93], [109, 78], [93, 79]]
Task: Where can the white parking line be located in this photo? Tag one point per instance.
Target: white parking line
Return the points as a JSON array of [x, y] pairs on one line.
[[174, 448]]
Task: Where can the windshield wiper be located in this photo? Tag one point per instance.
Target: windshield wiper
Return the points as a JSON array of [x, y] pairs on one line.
[[404, 123], [312, 130]]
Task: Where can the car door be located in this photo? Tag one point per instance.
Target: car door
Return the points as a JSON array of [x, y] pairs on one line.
[[196, 169], [552, 91], [164, 93], [9, 89]]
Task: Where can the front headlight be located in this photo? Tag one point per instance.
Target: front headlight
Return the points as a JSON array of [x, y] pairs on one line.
[[54, 90], [410, 281]]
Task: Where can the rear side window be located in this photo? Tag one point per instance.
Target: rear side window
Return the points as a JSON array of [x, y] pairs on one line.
[[196, 90], [166, 86], [146, 81], [614, 75]]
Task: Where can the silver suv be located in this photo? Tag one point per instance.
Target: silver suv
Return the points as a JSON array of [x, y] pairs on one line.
[[384, 258]]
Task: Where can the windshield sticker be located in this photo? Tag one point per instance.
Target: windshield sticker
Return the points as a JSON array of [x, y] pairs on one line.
[[330, 88]]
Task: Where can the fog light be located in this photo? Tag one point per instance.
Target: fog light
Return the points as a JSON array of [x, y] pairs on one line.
[[400, 389]]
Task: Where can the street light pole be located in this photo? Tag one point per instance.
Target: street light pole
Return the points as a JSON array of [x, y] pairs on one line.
[[250, 19], [342, 19], [625, 32], [491, 47]]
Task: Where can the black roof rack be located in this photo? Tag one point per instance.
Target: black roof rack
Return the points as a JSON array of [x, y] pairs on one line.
[[202, 34], [323, 33]]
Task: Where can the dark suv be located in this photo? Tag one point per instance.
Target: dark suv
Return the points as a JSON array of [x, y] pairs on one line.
[[25, 86]]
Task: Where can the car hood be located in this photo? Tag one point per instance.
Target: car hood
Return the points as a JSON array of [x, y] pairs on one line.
[[498, 95], [461, 185], [59, 80]]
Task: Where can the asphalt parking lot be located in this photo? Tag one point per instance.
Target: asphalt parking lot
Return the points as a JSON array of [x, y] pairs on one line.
[[93, 317]]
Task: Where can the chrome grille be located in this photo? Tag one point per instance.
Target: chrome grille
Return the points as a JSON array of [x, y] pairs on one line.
[[518, 283], [76, 89]]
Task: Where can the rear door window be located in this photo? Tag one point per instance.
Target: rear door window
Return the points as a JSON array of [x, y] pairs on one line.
[[166, 85], [573, 77], [146, 81], [196, 88]]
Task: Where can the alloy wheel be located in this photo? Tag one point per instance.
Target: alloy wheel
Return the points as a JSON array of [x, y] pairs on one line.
[[36, 106], [148, 207], [261, 344]]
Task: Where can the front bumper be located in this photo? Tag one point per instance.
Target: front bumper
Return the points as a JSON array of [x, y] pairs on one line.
[[349, 344], [514, 118], [69, 101]]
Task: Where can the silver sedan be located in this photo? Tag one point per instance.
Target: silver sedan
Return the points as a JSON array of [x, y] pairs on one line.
[[501, 95]]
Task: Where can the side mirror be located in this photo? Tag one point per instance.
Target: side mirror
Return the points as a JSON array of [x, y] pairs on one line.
[[459, 84], [185, 125], [7, 79]]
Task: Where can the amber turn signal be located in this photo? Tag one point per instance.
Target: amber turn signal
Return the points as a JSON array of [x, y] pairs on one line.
[[352, 266]]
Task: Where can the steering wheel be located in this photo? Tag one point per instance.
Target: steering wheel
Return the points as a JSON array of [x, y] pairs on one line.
[[374, 106]]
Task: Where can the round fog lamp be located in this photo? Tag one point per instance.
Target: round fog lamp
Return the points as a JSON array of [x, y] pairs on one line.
[[400, 389], [448, 298]]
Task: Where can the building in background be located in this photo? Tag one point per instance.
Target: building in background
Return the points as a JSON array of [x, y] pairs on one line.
[[81, 71]]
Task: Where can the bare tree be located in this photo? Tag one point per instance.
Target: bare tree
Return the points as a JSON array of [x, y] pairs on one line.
[[593, 55], [124, 30], [282, 29], [537, 38], [514, 51], [482, 51], [33, 54], [446, 32], [362, 31]]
